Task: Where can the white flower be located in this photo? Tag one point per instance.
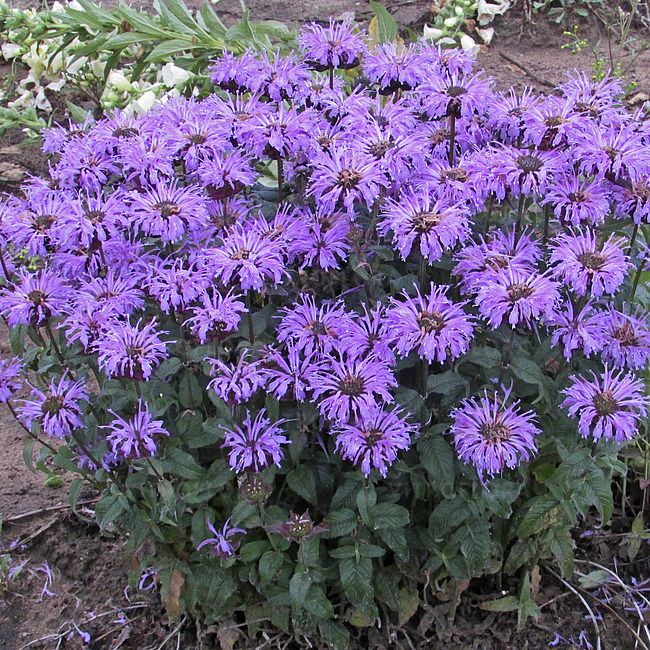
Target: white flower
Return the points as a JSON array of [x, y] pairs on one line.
[[144, 103], [173, 76], [431, 33], [118, 81], [488, 10], [469, 44], [10, 50]]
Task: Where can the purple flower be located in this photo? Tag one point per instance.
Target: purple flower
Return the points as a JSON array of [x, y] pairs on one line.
[[347, 388], [577, 201], [582, 331], [167, 211], [85, 323], [375, 439], [608, 406], [417, 218], [222, 543], [11, 371], [227, 173], [336, 46], [587, 266], [326, 243], [255, 445], [82, 167], [280, 134], [491, 435], [626, 340], [344, 177], [175, 283], [34, 298], [394, 67], [236, 73], [216, 316], [433, 325], [248, 258], [289, 372], [636, 201], [57, 409], [130, 351], [456, 94], [135, 438], [524, 298], [236, 384], [113, 295], [368, 334], [310, 327]]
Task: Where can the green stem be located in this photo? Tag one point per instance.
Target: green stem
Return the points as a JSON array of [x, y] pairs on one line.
[[249, 317], [28, 432], [280, 178], [452, 138], [138, 392], [422, 276], [57, 351], [635, 232], [637, 277], [520, 216]]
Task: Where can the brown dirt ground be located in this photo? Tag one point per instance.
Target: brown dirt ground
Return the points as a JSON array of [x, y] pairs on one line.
[[90, 572]]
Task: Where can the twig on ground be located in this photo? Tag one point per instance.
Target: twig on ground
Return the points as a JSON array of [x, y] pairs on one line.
[[176, 630], [527, 70], [41, 511]]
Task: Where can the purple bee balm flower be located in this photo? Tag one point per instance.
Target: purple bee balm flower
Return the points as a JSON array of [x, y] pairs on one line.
[[582, 331], [82, 167], [578, 201], [394, 67], [347, 388], [85, 323], [148, 160], [551, 121], [130, 351], [478, 264], [310, 327], [491, 435], [284, 77], [326, 243], [227, 173], [453, 185], [335, 46], [287, 373], [114, 294], [418, 218], [587, 266], [608, 406], [236, 73], [223, 545], [216, 316], [343, 177], [433, 325], [636, 201], [375, 439], [247, 257], [456, 94], [255, 445], [57, 409], [236, 384], [175, 283], [167, 211], [34, 298], [11, 371], [135, 438], [368, 334], [524, 298], [626, 339]]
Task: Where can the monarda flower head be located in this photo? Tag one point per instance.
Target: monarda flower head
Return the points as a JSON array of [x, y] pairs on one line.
[[56, 409], [577, 201], [626, 339], [135, 437], [225, 542], [577, 330], [374, 440], [256, 444], [334, 46], [235, 384], [432, 325], [491, 435], [367, 335], [587, 266], [347, 388], [130, 351], [417, 218], [288, 372], [216, 315], [521, 298], [608, 406], [34, 298], [11, 371]]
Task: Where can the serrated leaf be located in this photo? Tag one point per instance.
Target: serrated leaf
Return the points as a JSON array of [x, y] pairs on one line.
[[475, 546], [316, 603], [395, 539], [366, 500], [527, 606], [342, 522], [356, 579], [542, 513], [299, 587], [302, 481], [408, 603], [270, 564], [506, 604], [180, 463], [335, 635], [438, 459], [389, 515], [561, 545], [483, 356]]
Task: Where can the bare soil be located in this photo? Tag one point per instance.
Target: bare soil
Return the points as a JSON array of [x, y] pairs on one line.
[[90, 571]]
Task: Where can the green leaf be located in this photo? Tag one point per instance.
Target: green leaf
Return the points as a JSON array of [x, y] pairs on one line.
[[316, 603], [299, 587], [437, 456], [370, 550], [190, 394], [387, 28], [344, 552], [448, 382], [75, 490], [483, 356], [505, 604], [499, 495], [447, 515], [395, 539], [475, 546], [342, 522], [561, 545], [180, 463], [356, 579], [253, 551], [389, 515], [270, 563], [366, 500], [335, 635], [109, 508], [408, 603], [527, 606], [542, 513], [302, 481]]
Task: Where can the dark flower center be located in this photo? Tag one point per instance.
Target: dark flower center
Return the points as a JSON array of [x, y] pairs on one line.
[[425, 221], [554, 120], [592, 260], [577, 197], [625, 335], [95, 216], [494, 432], [37, 297], [456, 174], [456, 91], [168, 209], [125, 132], [317, 328], [431, 321], [44, 221], [373, 436], [379, 149], [642, 190], [349, 178], [438, 137], [352, 385], [196, 138], [324, 141], [52, 405], [605, 403], [496, 262], [611, 153], [529, 163], [242, 254], [519, 291]]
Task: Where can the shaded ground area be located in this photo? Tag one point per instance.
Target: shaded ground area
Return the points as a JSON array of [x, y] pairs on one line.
[[90, 573]]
